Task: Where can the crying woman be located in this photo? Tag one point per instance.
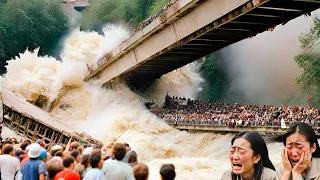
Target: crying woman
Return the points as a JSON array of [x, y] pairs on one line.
[[249, 158]]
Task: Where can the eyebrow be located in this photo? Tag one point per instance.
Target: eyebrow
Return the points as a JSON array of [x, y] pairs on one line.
[[290, 143], [239, 147]]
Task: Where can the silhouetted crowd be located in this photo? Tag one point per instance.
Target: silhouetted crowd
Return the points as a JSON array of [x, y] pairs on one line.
[[27, 160], [155, 16], [150, 19], [186, 111]]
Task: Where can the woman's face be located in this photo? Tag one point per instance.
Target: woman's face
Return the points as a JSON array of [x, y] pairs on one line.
[[296, 144], [242, 157]]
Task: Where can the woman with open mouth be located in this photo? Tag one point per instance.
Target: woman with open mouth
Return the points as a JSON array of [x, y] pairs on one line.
[[301, 154], [249, 158]]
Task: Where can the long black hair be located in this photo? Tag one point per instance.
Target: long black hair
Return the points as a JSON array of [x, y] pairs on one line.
[[258, 145], [307, 131]]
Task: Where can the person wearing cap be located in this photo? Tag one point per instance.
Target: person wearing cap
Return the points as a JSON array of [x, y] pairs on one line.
[[34, 169], [9, 165]]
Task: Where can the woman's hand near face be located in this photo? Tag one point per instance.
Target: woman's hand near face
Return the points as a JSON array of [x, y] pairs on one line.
[[303, 163], [287, 168], [285, 161]]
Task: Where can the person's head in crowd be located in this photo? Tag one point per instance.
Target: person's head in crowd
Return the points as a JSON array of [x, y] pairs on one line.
[[43, 155], [74, 146], [14, 140], [87, 151], [86, 160], [249, 155], [85, 146], [7, 149], [167, 172], [80, 149], [26, 140], [96, 160], [141, 171], [76, 155], [127, 146], [54, 166], [54, 149], [40, 142], [298, 140], [34, 151], [59, 153], [7, 141], [24, 145], [68, 162], [19, 154], [118, 151], [133, 158]]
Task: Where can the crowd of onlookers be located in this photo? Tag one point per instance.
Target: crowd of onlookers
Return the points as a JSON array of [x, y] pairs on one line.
[[185, 111], [147, 21], [150, 19], [38, 161]]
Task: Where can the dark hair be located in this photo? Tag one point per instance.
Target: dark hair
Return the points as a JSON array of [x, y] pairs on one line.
[[7, 148], [258, 145], [85, 160], [307, 131], [75, 154], [140, 171], [167, 172], [67, 161], [59, 153], [119, 151], [24, 145], [132, 157], [95, 159], [19, 153]]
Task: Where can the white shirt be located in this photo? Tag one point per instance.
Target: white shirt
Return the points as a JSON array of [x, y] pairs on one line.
[[94, 174], [118, 170], [9, 165]]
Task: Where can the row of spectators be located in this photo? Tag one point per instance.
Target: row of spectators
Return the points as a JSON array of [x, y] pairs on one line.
[[142, 25], [37, 161], [186, 111], [150, 19]]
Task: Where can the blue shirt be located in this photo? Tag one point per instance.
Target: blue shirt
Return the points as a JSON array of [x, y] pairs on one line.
[[32, 169]]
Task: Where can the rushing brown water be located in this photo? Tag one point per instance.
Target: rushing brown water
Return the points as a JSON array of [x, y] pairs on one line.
[[119, 114]]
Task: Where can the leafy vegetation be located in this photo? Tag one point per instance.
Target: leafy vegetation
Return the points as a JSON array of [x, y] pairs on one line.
[[217, 81], [29, 24], [130, 12], [309, 61]]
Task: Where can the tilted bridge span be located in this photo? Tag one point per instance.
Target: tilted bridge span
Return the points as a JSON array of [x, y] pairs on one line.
[[189, 30]]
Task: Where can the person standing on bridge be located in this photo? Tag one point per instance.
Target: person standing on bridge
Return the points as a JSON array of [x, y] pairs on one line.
[[301, 154], [249, 158]]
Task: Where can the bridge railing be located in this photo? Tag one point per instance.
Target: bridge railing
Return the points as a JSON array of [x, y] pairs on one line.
[[207, 123]]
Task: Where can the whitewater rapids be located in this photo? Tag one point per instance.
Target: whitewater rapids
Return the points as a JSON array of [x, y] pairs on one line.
[[119, 114]]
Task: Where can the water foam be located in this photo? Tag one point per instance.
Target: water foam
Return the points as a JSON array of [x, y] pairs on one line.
[[120, 115]]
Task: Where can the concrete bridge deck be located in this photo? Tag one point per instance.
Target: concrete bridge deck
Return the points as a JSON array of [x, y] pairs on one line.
[[30, 121], [189, 30]]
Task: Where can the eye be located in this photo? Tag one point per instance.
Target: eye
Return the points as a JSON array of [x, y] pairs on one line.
[[232, 150], [242, 152]]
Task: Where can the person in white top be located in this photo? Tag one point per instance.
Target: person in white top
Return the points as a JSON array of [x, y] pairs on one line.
[[9, 165], [117, 169]]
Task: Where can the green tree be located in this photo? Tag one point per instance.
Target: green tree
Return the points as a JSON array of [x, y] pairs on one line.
[[216, 79], [29, 24], [309, 61], [131, 12]]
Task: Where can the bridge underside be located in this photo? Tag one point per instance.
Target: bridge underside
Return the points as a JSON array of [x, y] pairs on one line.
[[233, 27]]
